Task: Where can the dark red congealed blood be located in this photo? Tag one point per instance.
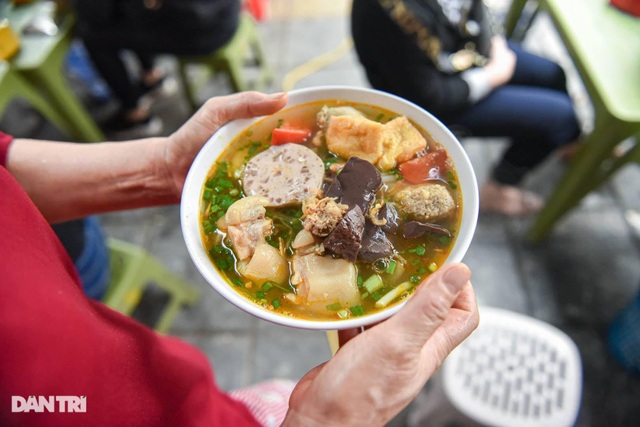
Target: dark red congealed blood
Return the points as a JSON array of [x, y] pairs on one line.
[[285, 174]]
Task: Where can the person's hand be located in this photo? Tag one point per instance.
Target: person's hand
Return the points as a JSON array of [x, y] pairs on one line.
[[181, 148], [502, 62], [376, 374]]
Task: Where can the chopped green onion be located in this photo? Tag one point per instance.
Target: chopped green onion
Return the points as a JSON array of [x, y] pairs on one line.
[[450, 175], [334, 307], [360, 281], [280, 121], [393, 294], [267, 286], [373, 283], [421, 270], [207, 194], [225, 202], [391, 267], [415, 279], [379, 117], [329, 162], [376, 296], [225, 183], [418, 250], [343, 314], [223, 263], [237, 281], [273, 242], [260, 295], [444, 239], [234, 192], [357, 310], [433, 267], [275, 303], [452, 184]]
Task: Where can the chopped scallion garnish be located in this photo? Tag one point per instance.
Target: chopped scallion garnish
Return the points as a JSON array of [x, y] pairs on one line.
[[357, 310], [343, 314], [373, 283], [391, 267], [393, 294], [334, 307]]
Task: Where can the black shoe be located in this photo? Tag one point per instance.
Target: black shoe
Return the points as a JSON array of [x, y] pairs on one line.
[[162, 89]]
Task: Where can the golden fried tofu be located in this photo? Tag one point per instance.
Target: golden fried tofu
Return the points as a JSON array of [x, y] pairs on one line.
[[355, 136], [401, 142]]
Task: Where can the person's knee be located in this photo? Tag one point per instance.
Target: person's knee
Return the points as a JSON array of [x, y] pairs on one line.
[[558, 77], [563, 126]]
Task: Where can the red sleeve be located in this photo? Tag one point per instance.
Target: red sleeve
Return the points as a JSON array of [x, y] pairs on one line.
[[5, 141], [55, 342]]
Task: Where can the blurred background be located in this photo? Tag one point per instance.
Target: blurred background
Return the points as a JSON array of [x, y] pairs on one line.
[[577, 279]]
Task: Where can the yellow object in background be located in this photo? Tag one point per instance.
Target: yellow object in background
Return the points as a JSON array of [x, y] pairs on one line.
[[9, 42]]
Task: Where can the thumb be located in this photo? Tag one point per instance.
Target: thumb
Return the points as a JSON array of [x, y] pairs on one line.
[[430, 305]]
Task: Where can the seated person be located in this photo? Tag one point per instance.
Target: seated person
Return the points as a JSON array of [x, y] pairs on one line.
[[441, 55], [84, 241], [148, 28], [57, 342]]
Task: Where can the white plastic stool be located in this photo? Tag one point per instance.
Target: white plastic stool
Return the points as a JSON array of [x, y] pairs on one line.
[[515, 371]]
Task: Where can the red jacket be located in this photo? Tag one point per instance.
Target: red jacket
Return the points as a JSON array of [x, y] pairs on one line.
[[56, 342]]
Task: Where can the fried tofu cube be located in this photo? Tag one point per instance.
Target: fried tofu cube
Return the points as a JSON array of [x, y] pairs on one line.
[[355, 136], [401, 142]]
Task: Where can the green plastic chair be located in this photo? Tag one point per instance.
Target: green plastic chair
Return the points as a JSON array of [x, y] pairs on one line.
[[132, 269], [40, 61], [608, 68], [231, 60], [14, 86]]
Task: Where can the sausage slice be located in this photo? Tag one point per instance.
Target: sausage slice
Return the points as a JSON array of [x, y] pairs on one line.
[[285, 174]]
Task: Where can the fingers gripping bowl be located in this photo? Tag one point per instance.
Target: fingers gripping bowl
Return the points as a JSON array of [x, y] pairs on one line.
[[329, 213]]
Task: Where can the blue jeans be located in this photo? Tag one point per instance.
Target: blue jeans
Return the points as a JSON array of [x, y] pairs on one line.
[[533, 109]]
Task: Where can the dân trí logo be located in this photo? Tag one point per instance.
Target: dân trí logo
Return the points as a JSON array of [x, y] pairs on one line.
[[49, 404]]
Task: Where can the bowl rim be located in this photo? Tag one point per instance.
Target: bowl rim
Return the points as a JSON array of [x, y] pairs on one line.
[[211, 150]]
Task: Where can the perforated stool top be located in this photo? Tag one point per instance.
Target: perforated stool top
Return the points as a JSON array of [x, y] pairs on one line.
[[515, 371]]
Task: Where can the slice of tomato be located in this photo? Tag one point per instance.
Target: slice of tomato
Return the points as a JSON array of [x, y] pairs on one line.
[[281, 136], [429, 166]]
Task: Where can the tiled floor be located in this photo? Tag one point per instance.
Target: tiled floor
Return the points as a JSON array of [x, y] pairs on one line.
[[577, 280]]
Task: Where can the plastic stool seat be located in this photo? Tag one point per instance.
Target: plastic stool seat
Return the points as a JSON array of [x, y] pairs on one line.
[[515, 371], [132, 269], [231, 59]]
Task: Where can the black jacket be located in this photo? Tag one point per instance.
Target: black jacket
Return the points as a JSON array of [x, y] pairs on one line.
[[182, 27], [412, 62]]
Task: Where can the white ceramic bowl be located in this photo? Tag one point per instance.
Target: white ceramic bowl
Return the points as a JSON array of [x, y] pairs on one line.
[[191, 194]]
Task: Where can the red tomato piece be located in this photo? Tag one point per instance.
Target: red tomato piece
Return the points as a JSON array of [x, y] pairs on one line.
[[281, 136], [429, 166]]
